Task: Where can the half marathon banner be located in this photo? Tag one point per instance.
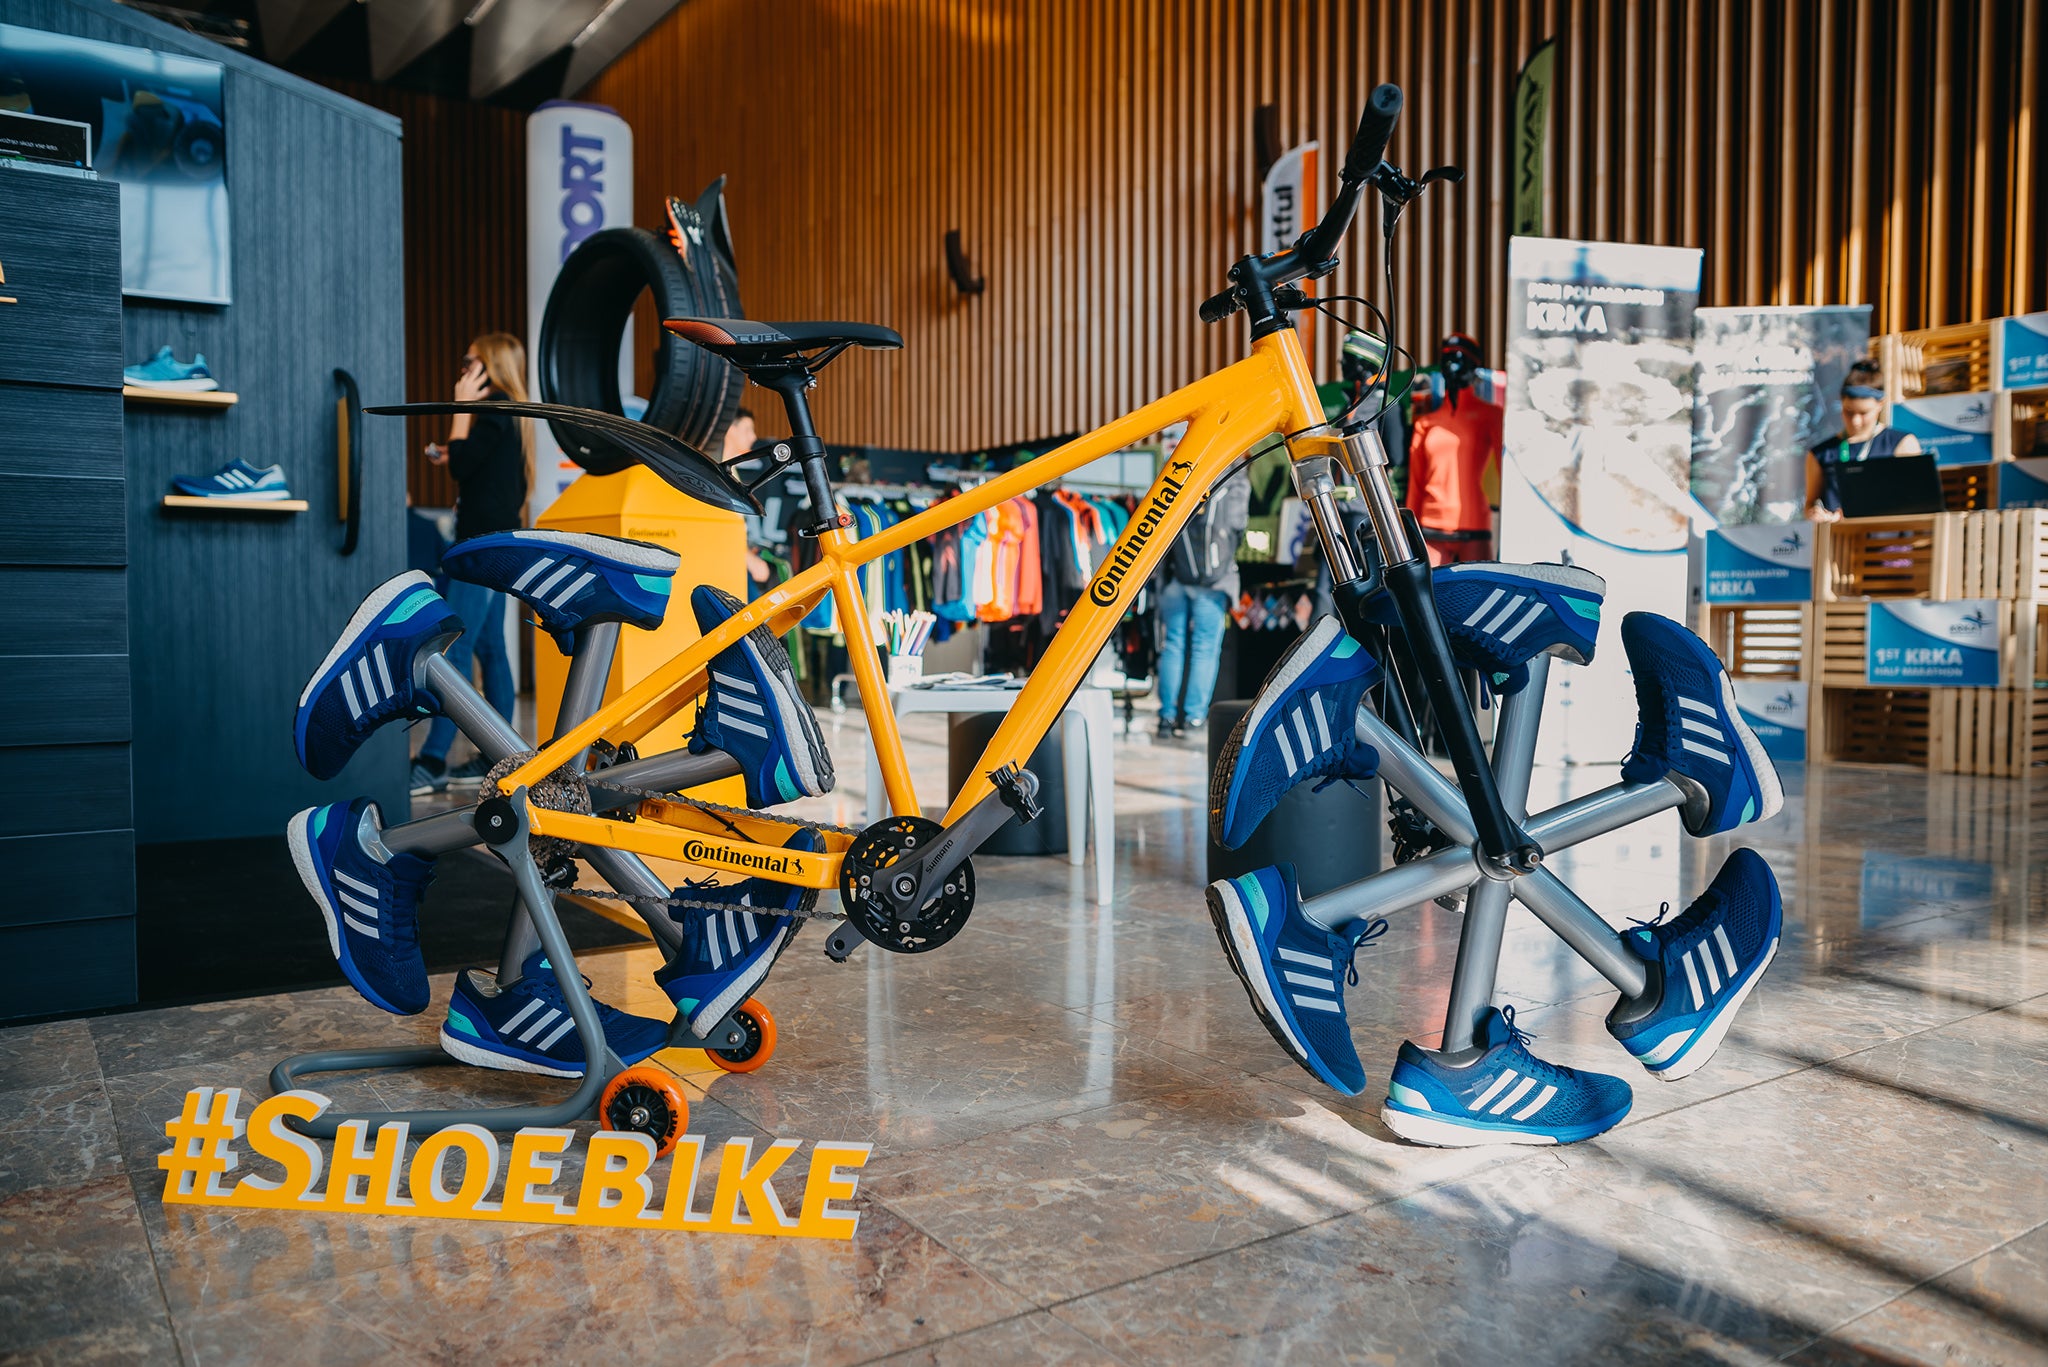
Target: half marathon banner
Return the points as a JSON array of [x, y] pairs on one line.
[[1770, 383], [1597, 450], [1943, 645], [579, 178]]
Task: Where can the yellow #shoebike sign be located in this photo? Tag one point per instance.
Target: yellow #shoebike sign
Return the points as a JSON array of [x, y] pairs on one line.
[[367, 1174]]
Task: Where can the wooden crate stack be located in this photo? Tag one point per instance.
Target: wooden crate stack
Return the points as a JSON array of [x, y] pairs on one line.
[[1960, 360], [1943, 557]]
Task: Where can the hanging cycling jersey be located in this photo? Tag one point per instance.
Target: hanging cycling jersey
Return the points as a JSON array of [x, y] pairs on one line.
[[1453, 458]]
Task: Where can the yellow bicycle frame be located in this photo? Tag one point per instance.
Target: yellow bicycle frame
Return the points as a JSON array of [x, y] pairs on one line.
[[1270, 391]]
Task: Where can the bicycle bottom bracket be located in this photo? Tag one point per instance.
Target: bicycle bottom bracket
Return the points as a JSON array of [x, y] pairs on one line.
[[864, 880]]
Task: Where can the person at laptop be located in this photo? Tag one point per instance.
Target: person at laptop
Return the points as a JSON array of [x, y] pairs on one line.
[[1864, 437]]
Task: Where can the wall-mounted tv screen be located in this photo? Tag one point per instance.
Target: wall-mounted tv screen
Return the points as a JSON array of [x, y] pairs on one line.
[[158, 128]]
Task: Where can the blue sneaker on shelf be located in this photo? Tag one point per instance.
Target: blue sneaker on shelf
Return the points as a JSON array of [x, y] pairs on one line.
[[370, 897], [237, 479], [1499, 1093], [754, 712], [726, 954], [1293, 969], [525, 1026], [165, 371], [1702, 966], [1299, 728], [1689, 731], [1500, 616], [367, 679]]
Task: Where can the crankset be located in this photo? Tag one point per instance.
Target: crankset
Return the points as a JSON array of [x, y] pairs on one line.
[[868, 888]]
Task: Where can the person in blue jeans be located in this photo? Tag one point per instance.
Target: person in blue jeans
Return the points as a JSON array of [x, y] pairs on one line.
[[491, 457], [1197, 584]]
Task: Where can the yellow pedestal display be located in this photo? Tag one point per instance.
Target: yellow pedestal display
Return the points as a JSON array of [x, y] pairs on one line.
[[637, 505]]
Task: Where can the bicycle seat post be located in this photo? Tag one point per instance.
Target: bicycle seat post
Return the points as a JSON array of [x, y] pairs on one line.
[[808, 449]]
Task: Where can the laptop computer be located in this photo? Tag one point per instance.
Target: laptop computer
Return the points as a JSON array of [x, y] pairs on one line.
[[1895, 486]]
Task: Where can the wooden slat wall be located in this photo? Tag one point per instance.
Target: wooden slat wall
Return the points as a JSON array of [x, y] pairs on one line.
[[1097, 158], [465, 250]]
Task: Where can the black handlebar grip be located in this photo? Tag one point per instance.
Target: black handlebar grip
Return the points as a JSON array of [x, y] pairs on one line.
[[1375, 130], [1217, 307]]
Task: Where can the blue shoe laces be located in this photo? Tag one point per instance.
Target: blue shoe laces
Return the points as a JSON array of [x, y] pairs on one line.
[[1373, 930]]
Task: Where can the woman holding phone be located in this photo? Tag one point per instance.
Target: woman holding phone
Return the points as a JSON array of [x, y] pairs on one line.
[[491, 457]]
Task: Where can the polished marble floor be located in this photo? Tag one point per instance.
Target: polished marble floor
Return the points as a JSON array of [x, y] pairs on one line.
[[1087, 1150]]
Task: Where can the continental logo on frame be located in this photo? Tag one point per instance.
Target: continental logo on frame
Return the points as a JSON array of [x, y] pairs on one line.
[[697, 852], [1103, 592]]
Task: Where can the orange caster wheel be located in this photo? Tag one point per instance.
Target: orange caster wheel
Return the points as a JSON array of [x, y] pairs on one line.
[[647, 1101], [753, 1018]]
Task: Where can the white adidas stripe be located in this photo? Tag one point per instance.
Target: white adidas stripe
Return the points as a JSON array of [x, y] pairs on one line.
[[1304, 980], [531, 571], [730, 682], [1485, 607], [568, 1024], [359, 928], [540, 1023], [348, 695], [1493, 1089], [1316, 1003], [1694, 705], [1727, 950], [1301, 729], [358, 884], [1499, 619], [1522, 1089], [1694, 724], [547, 585], [1707, 962], [752, 709], [523, 1013], [1528, 620], [355, 904], [1315, 701], [1286, 749], [1542, 1100], [1692, 977], [739, 725], [383, 671], [1297, 957], [1718, 756], [576, 586]]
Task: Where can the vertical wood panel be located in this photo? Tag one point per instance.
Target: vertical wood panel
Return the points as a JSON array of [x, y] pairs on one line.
[[1098, 161]]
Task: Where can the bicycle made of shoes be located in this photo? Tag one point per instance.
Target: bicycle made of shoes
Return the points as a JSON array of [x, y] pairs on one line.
[[906, 883]]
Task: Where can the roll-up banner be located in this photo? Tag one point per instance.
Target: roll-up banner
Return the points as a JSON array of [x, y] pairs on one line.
[[579, 178], [1955, 427], [1597, 460], [1770, 383], [1532, 132], [1287, 206]]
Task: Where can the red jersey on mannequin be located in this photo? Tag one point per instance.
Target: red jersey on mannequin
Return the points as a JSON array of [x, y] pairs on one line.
[[1453, 460]]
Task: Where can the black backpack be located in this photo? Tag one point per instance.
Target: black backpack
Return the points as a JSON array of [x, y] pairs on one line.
[[1205, 552]]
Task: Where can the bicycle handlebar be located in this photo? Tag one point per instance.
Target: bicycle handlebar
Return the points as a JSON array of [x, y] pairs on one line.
[[1316, 252]]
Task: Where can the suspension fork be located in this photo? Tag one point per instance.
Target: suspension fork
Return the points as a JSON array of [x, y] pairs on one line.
[[1320, 456]]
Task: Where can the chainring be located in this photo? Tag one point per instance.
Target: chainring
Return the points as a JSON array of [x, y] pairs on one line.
[[861, 888]]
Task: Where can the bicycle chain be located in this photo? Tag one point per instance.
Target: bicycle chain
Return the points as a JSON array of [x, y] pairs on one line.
[[595, 778]]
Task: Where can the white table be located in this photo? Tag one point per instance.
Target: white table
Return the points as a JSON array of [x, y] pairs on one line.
[[1086, 749]]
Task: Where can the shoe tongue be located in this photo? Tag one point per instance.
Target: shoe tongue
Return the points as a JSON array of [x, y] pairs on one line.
[[537, 966], [1493, 1031]]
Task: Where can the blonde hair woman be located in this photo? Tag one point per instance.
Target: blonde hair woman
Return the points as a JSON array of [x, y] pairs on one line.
[[491, 457]]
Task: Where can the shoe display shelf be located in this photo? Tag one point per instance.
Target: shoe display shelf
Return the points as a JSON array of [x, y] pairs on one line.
[[180, 398], [237, 505]]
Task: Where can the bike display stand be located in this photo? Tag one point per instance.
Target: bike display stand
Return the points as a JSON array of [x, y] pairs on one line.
[[502, 825]]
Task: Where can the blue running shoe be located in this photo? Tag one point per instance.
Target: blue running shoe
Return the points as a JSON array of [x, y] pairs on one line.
[[1689, 731], [570, 579], [1498, 1093], [367, 679], [754, 713], [1294, 970], [1702, 966], [525, 1026], [370, 897], [1500, 616], [726, 954], [165, 371], [237, 479], [1300, 728]]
